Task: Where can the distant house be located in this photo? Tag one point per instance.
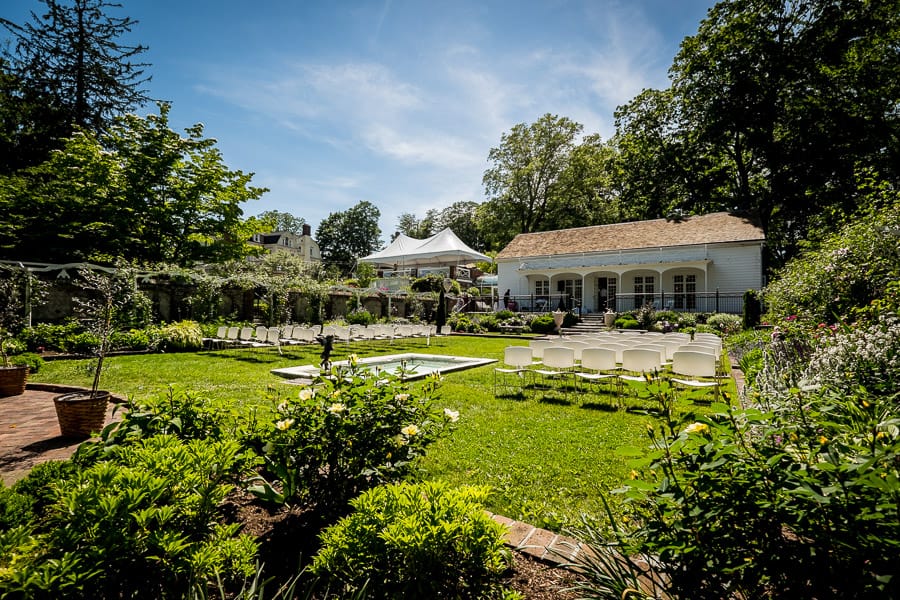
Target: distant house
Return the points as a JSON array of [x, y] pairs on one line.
[[695, 264], [285, 241]]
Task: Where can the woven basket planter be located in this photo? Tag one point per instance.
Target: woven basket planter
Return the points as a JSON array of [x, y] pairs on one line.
[[12, 381], [81, 414]]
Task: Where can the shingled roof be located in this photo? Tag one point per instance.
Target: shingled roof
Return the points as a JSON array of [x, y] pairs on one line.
[[713, 228]]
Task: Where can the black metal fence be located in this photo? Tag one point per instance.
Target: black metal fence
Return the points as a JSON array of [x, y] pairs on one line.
[[698, 302]]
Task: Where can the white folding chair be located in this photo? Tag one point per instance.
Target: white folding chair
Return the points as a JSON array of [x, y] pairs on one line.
[[517, 360], [558, 366], [700, 367], [598, 365]]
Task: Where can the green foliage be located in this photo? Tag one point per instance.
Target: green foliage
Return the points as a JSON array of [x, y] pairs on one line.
[[31, 496], [464, 323], [13, 286], [343, 237], [724, 323], [423, 540], [626, 322], [28, 359], [489, 322], [365, 274], [182, 336], [504, 314], [542, 178], [752, 309], [141, 525], [645, 316], [759, 503], [50, 336], [431, 282], [138, 190], [70, 68], [359, 316], [845, 271], [348, 434], [179, 413], [543, 324], [276, 220]]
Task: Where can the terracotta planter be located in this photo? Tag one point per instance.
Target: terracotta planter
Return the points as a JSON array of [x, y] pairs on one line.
[[12, 380], [80, 414]]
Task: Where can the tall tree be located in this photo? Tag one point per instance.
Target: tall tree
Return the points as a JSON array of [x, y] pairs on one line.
[[70, 60], [345, 236], [139, 191], [794, 98], [276, 220], [410, 225], [461, 218], [522, 181]]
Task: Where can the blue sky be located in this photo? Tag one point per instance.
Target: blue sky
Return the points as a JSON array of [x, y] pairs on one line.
[[391, 101]]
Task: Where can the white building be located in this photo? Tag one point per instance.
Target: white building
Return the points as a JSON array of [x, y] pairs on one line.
[[284, 241], [696, 264]]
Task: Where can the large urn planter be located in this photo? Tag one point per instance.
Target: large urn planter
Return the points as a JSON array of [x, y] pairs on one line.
[[81, 413], [12, 380]]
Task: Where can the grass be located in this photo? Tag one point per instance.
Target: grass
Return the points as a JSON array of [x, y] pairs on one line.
[[546, 461]]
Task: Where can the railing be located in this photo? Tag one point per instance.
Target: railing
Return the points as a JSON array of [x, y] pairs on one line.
[[541, 303], [699, 302]]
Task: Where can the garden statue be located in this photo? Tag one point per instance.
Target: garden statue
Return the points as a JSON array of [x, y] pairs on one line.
[[327, 346]]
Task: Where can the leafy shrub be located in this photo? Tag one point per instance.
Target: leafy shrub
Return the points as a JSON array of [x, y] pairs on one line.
[[686, 319], [724, 322], [423, 540], [348, 434], [30, 496], [867, 355], [360, 316], [181, 336], [81, 343], [801, 500], [464, 323], [646, 316], [12, 346], [570, 320], [178, 413], [141, 525], [28, 359], [489, 322], [503, 315], [665, 315], [844, 271], [430, 283], [543, 324], [626, 322]]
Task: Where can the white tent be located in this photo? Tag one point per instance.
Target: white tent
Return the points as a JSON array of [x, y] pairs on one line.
[[441, 249]]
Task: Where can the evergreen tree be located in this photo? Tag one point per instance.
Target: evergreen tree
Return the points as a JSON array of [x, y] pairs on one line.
[[68, 68]]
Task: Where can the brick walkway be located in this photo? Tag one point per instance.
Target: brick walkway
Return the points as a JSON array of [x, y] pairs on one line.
[[29, 431]]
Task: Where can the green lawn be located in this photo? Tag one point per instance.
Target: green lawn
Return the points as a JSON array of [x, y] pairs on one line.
[[547, 461]]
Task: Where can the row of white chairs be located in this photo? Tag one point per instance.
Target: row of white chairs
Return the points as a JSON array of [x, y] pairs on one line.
[[694, 367], [260, 336], [665, 345]]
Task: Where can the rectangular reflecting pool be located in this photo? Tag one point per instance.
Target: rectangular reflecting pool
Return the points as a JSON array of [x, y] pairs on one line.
[[415, 365]]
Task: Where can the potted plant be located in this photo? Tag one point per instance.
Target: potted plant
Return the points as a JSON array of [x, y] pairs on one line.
[[82, 413], [15, 294]]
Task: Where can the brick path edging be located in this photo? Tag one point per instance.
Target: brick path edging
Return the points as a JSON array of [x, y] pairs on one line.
[[548, 547]]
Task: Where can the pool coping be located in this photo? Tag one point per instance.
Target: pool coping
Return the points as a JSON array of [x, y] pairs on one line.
[[310, 372]]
